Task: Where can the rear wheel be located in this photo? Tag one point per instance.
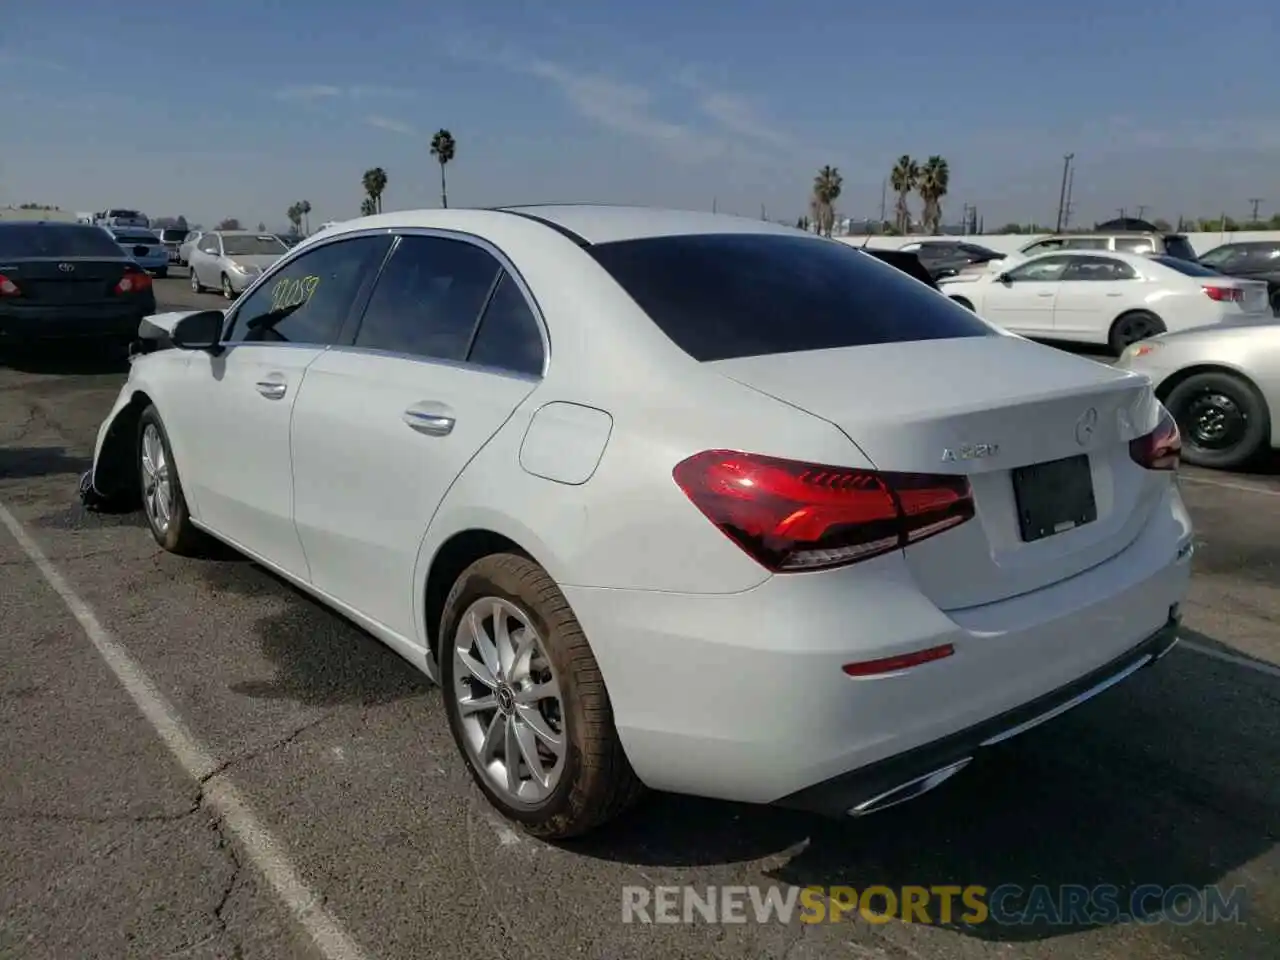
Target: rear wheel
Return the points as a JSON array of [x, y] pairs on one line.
[[1223, 420], [1131, 327], [526, 701], [162, 498]]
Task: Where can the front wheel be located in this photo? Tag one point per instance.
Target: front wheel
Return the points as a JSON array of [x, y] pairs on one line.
[[227, 292], [196, 285], [162, 273], [1223, 420], [526, 701], [162, 498], [963, 302]]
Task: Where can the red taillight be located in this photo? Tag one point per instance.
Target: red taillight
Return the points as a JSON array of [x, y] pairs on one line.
[[8, 288], [1224, 294], [134, 281], [791, 516], [874, 668], [1161, 449]]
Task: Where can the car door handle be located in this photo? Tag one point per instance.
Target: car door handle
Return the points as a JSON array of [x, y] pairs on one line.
[[1115, 294], [431, 423], [1044, 294], [272, 389]]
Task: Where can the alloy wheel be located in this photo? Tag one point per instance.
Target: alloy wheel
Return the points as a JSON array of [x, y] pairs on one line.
[[510, 707], [157, 488]]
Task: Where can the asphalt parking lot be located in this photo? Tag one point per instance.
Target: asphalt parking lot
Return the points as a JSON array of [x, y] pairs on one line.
[[369, 841]]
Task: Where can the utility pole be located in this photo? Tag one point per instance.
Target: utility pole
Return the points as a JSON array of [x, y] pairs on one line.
[[1142, 208], [1062, 191], [1255, 202], [762, 216], [714, 204], [1069, 207], [1123, 213], [884, 197]]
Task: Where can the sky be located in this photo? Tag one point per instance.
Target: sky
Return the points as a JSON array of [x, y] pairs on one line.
[[238, 109]]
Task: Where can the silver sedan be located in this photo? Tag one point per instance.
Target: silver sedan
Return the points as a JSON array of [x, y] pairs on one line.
[[230, 260], [1221, 384]]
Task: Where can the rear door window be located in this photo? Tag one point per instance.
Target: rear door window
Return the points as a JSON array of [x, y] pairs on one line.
[[1099, 268], [721, 296]]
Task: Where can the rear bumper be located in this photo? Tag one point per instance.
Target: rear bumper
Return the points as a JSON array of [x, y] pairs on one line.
[[72, 321], [908, 775], [742, 696]]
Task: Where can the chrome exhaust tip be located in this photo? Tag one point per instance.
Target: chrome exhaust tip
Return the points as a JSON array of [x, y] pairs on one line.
[[909, 790]]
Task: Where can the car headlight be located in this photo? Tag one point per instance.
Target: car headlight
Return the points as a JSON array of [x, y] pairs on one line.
[[245, 268]]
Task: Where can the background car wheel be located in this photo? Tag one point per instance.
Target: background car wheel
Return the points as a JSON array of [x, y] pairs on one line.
[[196, 285], [227, 292], [963, 302], [526, 701], [1223, 419], [1131, 327], [162, 500]]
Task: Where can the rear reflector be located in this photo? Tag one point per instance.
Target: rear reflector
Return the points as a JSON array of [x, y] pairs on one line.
[[1224, 294], [873, 668], [792, 516], [1161, 449], [8, 288]]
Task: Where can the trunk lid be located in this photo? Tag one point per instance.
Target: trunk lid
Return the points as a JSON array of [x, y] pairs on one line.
[[48, 280], [983, 407]]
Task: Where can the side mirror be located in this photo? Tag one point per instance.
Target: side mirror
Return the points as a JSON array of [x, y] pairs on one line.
[[200, 331], [1003, 278]]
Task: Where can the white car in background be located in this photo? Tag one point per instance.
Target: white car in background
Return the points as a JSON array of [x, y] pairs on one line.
[[1106, 298], [568, 462]]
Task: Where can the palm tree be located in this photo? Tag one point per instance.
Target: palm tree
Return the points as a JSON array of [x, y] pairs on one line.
[[295, 216], [826, 190], [304, 208], [444, 148], [903, 179], [375, 182], [935, 178], [367, 207]]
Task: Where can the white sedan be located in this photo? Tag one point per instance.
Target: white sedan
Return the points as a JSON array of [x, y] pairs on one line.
[[1107, 298], [669, 500]]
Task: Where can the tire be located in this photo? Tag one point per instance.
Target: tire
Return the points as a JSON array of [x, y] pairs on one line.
[[227, 292], [591, 781], [1223, 419], [196, 285], [1129, 328], [177, 535], [1275, 303], [162, 273], [963, 302]]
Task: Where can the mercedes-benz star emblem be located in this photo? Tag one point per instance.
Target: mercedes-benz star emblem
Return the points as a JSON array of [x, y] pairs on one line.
[[66, 267], [1085, 426]]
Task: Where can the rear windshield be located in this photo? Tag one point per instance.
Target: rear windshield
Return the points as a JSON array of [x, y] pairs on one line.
[[55, 240], [124, 214], [1179, 247], [1186, 266], [722, 296], [172, 236], [135, 236]]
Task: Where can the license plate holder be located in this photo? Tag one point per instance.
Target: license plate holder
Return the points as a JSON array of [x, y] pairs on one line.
[[1054, 497]]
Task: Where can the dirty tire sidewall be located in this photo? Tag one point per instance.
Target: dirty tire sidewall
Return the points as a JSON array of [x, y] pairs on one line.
[[597, 782], [181, 537], [1246, 397]]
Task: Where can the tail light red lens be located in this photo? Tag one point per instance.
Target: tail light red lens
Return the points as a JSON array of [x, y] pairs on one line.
[[134, 281], [8, 288], [1224, 294], [792, 516], [1161, 449]]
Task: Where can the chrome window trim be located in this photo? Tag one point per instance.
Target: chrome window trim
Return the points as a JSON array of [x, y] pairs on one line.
[[504, 261]]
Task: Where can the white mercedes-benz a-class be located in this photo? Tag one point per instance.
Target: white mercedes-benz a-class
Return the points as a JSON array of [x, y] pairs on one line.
[[668, 499]]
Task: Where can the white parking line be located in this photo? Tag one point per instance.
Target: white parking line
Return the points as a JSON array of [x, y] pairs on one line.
[[1228, 485], [1258, 666], [263, 850]]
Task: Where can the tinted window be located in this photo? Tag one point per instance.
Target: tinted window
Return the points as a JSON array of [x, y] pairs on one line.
[[209, 245], [1044, 246], [239, 245], [743, 295], [1179, 247], [55, 240], [508, 337], [1086, 243], [1224, 255], [173, 236], [974, 250], [428, 299], [1099, 268], [134, 236], [1047, 269], [307, 300], [1187, 267]]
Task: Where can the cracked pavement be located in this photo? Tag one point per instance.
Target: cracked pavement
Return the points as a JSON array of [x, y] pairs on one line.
[[108, 849]]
